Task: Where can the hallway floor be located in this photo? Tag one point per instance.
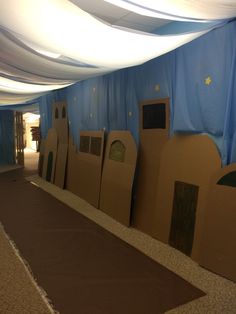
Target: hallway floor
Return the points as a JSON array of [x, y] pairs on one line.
[[85, 269]]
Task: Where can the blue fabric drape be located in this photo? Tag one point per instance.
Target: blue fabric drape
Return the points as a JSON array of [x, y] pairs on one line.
[[199, 78], [7, 145], [208, 106]]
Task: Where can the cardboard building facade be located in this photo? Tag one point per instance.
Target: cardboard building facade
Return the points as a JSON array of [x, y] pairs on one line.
[[187, 164], [154, 133], [60, 124], [84, 168], [118, 175], [182, 195], [53, 151], [49, 158], [218, 247]]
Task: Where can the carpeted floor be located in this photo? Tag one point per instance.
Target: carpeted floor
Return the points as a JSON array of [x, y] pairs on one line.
[[82, 267], [18, 292]]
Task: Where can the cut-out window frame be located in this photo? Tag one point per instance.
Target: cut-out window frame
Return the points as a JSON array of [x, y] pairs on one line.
[[117, 155], [56, 113], [63, 112], [229, 179]]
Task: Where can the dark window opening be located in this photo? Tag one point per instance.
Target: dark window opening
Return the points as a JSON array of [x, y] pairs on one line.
[[229, 179], [49, 167], [96, 146], [154, 116], [84, 144], [63, 112]]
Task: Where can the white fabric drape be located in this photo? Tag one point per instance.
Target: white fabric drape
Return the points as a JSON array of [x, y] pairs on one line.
[[49, 44], [183, 9]]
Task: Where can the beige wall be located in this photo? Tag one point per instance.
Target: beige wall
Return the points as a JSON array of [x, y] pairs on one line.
[[28, 136]]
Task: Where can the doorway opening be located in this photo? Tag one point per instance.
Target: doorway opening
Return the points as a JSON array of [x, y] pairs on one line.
[[31, 126]]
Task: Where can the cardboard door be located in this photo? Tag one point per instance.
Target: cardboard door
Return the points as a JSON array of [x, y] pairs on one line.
[[50, 155], [41, 158], [49, 167], [183, 216]]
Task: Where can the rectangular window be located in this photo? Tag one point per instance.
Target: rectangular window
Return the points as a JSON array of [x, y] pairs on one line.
[[154, 116], [84, 144]]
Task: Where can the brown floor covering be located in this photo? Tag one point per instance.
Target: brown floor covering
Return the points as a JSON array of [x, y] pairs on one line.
[[82, 267]]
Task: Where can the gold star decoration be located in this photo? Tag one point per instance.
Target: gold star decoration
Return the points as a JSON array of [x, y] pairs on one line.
[[157, 88], [208, 80]]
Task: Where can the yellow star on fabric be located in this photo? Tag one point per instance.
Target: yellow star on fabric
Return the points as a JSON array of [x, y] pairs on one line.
[[208, 80], [157, 88]]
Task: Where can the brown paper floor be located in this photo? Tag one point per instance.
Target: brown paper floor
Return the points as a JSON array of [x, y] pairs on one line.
[[83, 268]]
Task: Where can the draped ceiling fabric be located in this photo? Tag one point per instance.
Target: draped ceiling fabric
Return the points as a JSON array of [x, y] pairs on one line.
[[50, 44], [182, 9]]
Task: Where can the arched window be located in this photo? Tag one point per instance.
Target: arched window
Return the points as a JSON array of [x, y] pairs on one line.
[[229, 179], [63, 112], [117, 151]]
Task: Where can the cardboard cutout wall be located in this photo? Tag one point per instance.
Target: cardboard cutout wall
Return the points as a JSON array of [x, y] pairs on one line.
[[60, 121], [50, 155], [154, 132], [187, 164], [117, 176], [85, 167], [218, 245], [60, 124]]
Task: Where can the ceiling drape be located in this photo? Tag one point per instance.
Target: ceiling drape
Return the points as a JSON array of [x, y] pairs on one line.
[[50, 44]]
